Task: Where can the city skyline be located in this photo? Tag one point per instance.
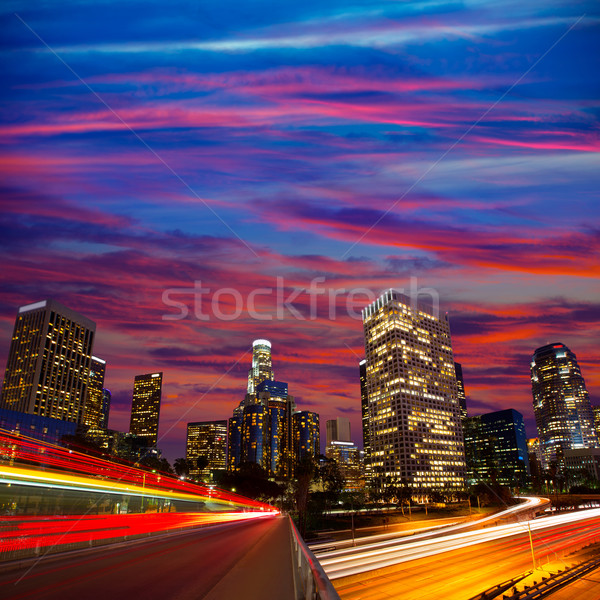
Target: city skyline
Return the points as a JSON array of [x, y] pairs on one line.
[[335, 146]]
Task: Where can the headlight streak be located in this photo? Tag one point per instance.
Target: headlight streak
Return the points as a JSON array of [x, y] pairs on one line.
[[402, 537], [347, 562]]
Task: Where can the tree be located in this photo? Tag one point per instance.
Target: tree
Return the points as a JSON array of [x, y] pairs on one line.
[[182, 467], [305, 471], [152, 462]]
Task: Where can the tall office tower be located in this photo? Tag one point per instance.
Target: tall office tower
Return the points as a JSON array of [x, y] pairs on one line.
[[280, 407], [413, 410], [338, 429], [460, 390], [255, 435], [364, 406], [49, 361], [145, 407], [106, 398], [206, 440], [92, 414], [535, 461], [261, 365], [496, 448], [563, 413], [306, 433]]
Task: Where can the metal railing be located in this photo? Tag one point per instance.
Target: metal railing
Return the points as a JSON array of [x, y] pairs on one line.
[[500, 588], [310, 580], [550, 585]]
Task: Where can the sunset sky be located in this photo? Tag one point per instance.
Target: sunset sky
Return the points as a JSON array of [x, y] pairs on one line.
[[150, 145]]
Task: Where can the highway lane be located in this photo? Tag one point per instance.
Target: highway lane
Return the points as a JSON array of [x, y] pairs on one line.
[[351, 561], [464, 572], [247, 558]]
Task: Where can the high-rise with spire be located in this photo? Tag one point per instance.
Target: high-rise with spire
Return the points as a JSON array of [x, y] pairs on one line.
[[262, 367], [264, 428], [563, 413]]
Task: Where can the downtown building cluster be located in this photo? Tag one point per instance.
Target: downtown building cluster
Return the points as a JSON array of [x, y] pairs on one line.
[[54, 386], [415, 428]]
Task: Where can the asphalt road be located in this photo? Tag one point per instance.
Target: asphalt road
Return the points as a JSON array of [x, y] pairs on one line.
[[250, 559], [463, 573]]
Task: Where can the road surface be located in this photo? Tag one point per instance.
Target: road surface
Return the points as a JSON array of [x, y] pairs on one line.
[[461, 574], [250, 560]]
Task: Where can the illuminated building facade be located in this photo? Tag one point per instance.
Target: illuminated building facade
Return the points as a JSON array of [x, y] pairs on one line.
[[413, 410], [49, 361], [234, 442], [306, 434], [206, 440], [364, 406], [496, 448], [106, 398], [280, 405], [145, 407], [339, 447], [460, 390], [563, 413], [93, 414]]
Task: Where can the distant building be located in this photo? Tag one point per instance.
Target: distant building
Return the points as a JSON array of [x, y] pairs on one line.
[[48, 366], [44, 429], [415, 432], [145, 407], [496, 448], [306, 435], [460, 390], [106, 399], [364, 407], [234, 442], [535, 460], [563, 413], [340, 448], [280, 405], [582, 465], [338, 429], [206, 440], [261, 430], [596, 411], [93, 415]]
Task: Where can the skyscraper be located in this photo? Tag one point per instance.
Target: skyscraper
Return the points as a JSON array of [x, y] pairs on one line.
[[496, 448], [145, 407], [106, 398], [48, 365], [261, 368], [413, 410], [93, 415], [460, 390], [563, 413], [306, 432], [338, 429], [364, 406], [206, 440]]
